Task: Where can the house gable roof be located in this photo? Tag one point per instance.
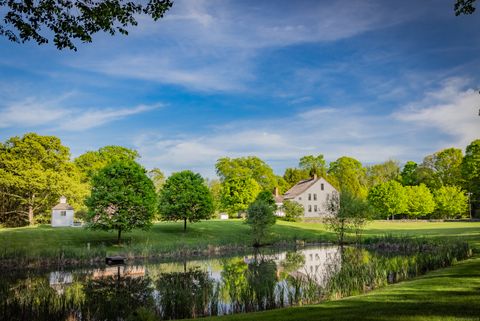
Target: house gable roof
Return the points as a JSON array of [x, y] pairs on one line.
[[301, 187]]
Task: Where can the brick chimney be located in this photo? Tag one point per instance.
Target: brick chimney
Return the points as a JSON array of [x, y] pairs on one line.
[[275, 191], [315, 177]]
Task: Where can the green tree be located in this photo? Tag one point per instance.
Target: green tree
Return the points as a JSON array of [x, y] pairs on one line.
[[267, 197], [450, 201], [260, 217], [91, 162], [158, 178], [382, 173], [293, 210], [185, 197], [294, 175], [409, 174], [388, 199], [34, 172], [420, 201], [215, 187], [442, 168], [313, 165], [238, 193], [464, 7], [471, 172], [346, 212], [122, 198], [350, 175], [69, 20], [247, 167]]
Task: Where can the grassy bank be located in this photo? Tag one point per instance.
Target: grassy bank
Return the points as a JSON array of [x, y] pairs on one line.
[[446, 294], [74, 245]]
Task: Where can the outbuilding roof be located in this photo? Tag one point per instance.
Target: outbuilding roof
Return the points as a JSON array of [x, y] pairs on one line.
[[62, 207]]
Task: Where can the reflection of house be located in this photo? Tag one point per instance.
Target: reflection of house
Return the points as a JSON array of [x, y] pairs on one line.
[[62, 213], [319, 262], [60, 280], [311, 193]]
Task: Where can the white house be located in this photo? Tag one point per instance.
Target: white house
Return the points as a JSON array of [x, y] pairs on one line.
[[62, 213], [312, 194]]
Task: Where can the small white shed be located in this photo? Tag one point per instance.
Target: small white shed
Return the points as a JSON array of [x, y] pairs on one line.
[[62, 213]]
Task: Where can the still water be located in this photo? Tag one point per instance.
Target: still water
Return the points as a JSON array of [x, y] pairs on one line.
[[209, 286]]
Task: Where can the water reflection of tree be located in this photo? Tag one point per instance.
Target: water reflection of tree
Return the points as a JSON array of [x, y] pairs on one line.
[[186, 294], [250, 287], [33, 298], [116, 297]]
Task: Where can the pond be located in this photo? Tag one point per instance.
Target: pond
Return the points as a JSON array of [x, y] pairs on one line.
[[204, 287]]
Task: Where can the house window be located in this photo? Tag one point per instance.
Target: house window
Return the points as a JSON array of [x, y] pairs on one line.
[[314, 208], [314, 197], [322, 187], [309, 208], [63, 213], [299, 198], [309, 197]]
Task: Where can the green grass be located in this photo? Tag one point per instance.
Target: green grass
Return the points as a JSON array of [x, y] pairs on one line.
[[45, 243], [447, 294]]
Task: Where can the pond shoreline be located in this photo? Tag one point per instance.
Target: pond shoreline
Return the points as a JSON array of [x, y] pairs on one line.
[[211, 251]]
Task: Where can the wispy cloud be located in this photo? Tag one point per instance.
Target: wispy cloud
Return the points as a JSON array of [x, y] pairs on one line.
[[333, 131], [212, 45], [37, 112], [452, 110]]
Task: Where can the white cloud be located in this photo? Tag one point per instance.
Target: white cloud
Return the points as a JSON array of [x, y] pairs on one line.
[[212, 45], [407, 135], [450, 110], [37, 112]]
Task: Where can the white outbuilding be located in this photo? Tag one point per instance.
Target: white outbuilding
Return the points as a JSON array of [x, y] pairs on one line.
[[62, 214]]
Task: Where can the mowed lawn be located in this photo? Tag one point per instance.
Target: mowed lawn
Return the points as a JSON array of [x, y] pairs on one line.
[[45, 241]]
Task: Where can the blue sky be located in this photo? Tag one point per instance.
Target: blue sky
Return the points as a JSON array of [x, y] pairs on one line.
[[375, 80]]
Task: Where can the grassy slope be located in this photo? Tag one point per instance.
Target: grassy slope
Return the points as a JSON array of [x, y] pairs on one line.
[[45, 241], [448, 294]]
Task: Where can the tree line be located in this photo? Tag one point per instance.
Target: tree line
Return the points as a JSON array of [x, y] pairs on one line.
[[35, 170]]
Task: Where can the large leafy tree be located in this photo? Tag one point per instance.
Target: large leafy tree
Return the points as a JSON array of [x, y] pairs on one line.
[[185, 196], [381, 173], [471, 171], [350, 175], [388, 199], [409, 174], [450, 201], [91, 162], [122, 198], [442, 168], [294, 175], [260, 217], [238, 193], [35, 171], [246, 167], [420, 201], [314, 165], [69, 20]]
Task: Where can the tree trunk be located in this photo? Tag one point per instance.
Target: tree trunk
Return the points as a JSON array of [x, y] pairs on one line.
[[30, 214], [30, 210], [184, 224], [119, 234]]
